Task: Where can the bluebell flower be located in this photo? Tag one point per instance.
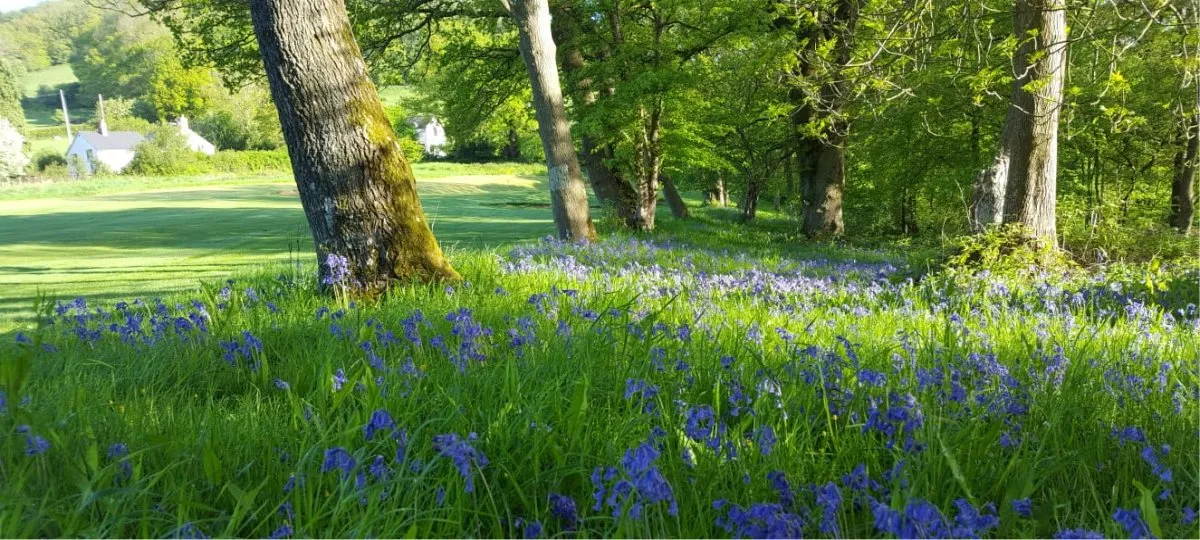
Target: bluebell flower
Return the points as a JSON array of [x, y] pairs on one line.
[[1131, 520], [118, 452], [339, 379], [337, 270], [35, 445], [378, 468], [282, 384], [787, 497], [563, 508], [1023, 507], [189, 530], [973, 522], [644, 391], [1082, 534], [380, 420], [22, 338], [1188, 517], [462, 454], [440, 495], [284, 531], [1151, 458], [338, 459], [760, 520], [764, 436], [829, 499], [290, 484]]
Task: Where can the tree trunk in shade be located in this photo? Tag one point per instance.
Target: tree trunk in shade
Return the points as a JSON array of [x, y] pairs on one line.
[[568, 196], [826, 187], [1183, 186], [357, 190], [1020, 185], [679, 208]]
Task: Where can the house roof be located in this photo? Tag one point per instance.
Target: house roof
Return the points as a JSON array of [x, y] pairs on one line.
[[115, 140]]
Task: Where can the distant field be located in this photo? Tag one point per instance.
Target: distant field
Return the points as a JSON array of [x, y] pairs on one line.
[[122, 238], [51, 76], [39, 114]]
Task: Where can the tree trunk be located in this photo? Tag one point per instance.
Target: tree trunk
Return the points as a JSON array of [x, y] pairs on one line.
[[512, 147], [1183, 192], [568, 197], [750, 198], [827, 186], [357, 190], [679, 208], [1021, 183]]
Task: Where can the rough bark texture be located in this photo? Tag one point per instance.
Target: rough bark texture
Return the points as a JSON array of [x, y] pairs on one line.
[[1183, 194], [679, 209], [1020, 185], [823, 213], [357, 190], [568, 196], [1030, 196], [649, 166]]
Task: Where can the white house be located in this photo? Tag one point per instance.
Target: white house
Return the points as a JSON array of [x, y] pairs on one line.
[[431, 134], [115, 149], [195, 141]]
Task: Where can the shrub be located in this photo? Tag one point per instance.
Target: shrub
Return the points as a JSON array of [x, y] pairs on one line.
[[165, 152], [1008, 250], [12, 155], [250, 161], [47, 158]]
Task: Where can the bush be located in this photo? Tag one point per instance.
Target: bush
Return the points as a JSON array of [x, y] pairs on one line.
[[165, 152], [48, 158], [1008, 251], [47, 132], [250, 161]]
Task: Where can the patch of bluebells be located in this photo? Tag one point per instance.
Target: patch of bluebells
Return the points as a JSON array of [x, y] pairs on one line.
[[634, 484]]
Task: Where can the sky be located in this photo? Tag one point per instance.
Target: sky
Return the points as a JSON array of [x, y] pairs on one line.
[[13, 5]]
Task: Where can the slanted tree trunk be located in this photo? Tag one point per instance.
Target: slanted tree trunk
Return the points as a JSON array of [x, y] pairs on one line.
[[1183, 194], [512, 146], [568, 196], [679, 208], [1021, 183], [357, 190]]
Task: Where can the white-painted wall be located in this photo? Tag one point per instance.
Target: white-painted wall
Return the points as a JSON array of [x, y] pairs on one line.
[[115, 160]]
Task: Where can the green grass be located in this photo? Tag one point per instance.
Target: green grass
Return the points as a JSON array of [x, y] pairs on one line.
[[559, 360], [105, 237], [51, 76]]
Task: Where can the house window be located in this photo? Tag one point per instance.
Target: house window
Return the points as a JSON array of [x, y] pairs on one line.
[[91, 156]]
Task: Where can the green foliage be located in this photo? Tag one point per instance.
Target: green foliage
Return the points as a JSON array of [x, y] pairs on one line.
[[1008, 250], [12, 150], [10, 96], [49, 159], [243, 120], [165, 152], [178, 91], [249, 161]]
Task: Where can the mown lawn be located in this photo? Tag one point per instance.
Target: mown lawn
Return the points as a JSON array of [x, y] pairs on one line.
[[112, 237]]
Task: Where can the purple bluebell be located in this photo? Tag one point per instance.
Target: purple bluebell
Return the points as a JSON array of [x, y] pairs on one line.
[[339, 379], [380, 420], [1023, 507], [1131, 520], [462, 454], [283, 531], [563, 508], [340, 460], [829, 500], [1082, 534]]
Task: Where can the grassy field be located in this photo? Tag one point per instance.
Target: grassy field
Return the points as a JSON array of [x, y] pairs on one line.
[[105, 238], [717, 380]]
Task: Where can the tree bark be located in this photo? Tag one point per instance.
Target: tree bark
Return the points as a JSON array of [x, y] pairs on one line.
[[750, 198], [823, 217], [1183, 193], [679, 208], [1021, 183], [824, 188], [568, 196], [357, 190]]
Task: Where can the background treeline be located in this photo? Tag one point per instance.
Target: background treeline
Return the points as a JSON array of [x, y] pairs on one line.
[[873, 119]]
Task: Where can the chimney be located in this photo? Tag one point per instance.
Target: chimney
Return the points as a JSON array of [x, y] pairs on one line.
[[183, 123], [100, 112]]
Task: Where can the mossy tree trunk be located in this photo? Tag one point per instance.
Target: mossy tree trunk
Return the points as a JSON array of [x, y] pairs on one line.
[[568, 196], [357, 190]]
